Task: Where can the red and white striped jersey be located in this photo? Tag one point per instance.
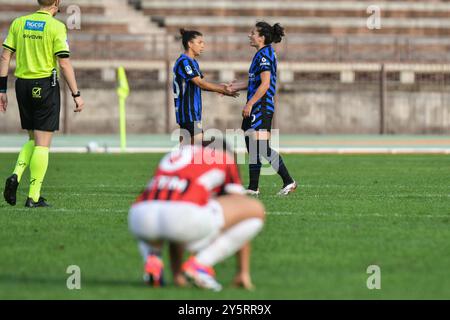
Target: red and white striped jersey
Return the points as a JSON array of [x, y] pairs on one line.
[[193, 174]]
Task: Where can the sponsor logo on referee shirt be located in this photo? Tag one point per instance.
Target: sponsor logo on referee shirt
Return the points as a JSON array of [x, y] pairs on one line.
[[35, 25], [32, 37]]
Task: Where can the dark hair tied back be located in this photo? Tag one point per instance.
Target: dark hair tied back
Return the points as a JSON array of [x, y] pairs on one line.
[[278, 33], [188, 35], [271, 33]]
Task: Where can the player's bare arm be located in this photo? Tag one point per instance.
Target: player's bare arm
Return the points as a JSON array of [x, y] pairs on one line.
[[236, 85], [262, 89], [219, 88], [243, 278], [4, 68]]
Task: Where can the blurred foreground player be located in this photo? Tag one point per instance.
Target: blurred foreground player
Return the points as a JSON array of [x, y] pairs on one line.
[[195, 201]]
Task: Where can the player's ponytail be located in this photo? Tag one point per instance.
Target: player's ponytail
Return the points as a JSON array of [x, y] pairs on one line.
[[278, 33], [271, 34], [187, 36]]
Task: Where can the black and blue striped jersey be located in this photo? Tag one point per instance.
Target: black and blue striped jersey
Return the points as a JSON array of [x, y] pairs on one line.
[[265, 60], [188, 96]]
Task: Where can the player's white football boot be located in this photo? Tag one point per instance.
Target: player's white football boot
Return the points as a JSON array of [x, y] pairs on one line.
[[253, 193], [288, 189]]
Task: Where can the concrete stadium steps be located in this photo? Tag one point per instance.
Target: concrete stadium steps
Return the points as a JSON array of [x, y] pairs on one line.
[[327, 9], [136, 21], [117, 46], [310, 47], [315, 48], [28, 7], [307, 48], [304, 48], [109, 29], [114, 30], [427, 18], [24, 6], [321, 42], [335, 26], [98, 16]]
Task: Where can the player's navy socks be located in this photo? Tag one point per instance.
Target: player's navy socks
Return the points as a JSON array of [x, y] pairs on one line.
[[255, 164], [255, 172], [247, 143], [277, 163], [284, 173]]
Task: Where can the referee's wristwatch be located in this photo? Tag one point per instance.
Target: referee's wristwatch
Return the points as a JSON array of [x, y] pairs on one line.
[[76, 95]]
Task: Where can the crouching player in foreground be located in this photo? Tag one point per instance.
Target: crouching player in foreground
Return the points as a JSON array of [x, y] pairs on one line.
[[195, 201]]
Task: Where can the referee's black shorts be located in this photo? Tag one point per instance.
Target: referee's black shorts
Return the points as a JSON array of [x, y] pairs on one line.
[[39, 104]]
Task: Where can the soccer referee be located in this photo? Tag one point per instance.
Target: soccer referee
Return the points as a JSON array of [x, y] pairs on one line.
[[40, 43]]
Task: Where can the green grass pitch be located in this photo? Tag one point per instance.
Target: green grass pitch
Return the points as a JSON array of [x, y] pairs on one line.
[[349, 212]]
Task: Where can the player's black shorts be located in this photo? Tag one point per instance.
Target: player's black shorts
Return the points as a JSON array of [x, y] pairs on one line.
[[260, 119], [39, 104], [194, 128]]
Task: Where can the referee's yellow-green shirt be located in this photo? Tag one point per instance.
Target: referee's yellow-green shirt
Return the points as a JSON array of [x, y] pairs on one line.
[[37, 39]]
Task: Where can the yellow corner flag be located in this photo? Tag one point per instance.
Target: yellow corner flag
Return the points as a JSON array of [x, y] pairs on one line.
[[123, 91]]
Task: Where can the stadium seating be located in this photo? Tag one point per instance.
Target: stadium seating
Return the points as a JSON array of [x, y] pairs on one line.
[[328, 49], [326, 31], [108, 30], [318, 30], [322, 17]]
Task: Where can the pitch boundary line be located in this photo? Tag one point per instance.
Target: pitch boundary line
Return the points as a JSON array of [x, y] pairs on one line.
[[386, 150], [273, 213]]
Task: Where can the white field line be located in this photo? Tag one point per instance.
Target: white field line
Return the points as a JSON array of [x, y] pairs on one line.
[[302, 186], [345, 196], [273, 213], [309, 150]]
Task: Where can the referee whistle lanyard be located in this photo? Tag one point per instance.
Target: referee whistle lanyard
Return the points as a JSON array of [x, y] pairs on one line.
[[123, 91]]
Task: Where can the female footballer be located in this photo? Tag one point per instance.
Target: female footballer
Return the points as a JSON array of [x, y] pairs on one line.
[[260, 107], [188, 85]]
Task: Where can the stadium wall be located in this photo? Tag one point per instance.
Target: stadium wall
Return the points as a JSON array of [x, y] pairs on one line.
[[313, 109]]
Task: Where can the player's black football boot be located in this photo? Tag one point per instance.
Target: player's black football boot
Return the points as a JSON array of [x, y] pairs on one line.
[[42, 203], [10, 192]]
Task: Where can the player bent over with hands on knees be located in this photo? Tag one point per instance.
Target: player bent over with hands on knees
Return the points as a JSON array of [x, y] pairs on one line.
[[200, 207]]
